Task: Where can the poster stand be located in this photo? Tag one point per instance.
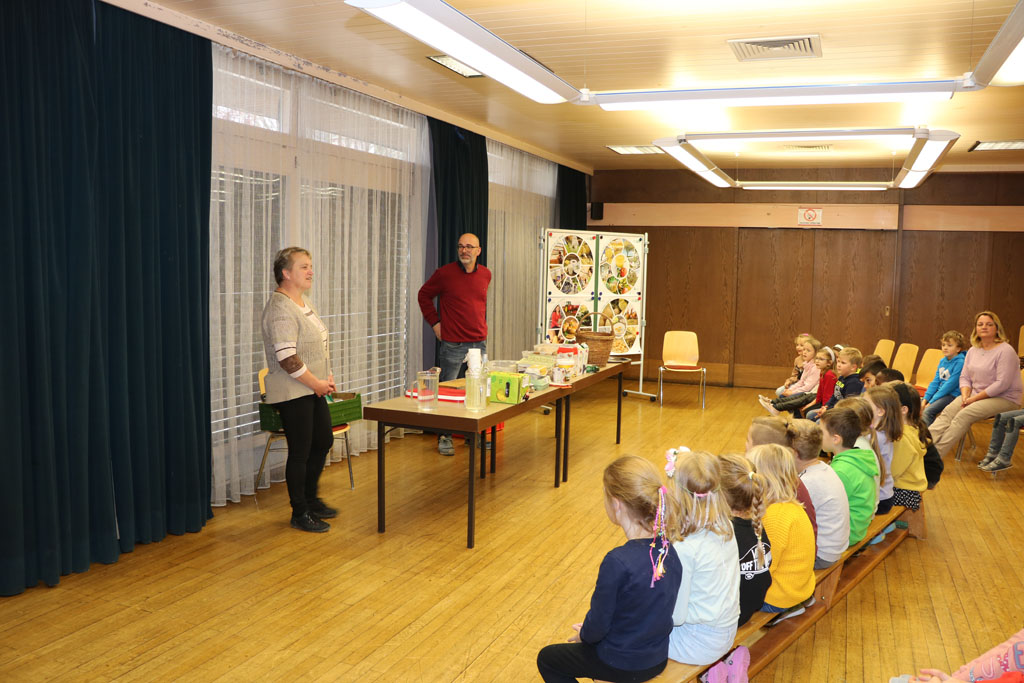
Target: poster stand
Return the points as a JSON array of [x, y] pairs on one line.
[[584, 272]]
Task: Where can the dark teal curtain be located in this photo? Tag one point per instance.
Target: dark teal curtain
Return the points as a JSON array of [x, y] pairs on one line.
[[105, 193], [571, 197], [458, 163]]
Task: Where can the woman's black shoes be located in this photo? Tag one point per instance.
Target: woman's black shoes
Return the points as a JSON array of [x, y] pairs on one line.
[[322, 510], [308, 522]]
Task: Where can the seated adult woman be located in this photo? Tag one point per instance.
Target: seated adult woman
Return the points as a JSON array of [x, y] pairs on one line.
[[989, 383]]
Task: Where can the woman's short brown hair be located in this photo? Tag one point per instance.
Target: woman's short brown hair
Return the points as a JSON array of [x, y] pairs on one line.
[[283, 261]]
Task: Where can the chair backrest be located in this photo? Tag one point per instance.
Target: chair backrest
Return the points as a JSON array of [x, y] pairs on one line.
[[680, 348], [262, 378], [906, 355], [884, 349], [927, 367], [1020, 342]]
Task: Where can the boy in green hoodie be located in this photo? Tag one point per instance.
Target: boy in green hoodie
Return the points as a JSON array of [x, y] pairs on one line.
[[858, 468]]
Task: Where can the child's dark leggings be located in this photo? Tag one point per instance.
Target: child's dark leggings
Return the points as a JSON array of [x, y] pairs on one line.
[[565, 662]]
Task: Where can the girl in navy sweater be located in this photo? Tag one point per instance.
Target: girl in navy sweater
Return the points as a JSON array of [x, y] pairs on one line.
[[625, 635]]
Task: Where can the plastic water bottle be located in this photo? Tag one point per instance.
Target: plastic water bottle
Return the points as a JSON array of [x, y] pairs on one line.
[[476, 399]]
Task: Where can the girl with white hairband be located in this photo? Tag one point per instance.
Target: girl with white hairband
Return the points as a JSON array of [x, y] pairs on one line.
[[708, 605]]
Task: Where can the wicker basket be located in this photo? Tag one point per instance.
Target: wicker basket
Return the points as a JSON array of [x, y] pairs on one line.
[[598, 343]]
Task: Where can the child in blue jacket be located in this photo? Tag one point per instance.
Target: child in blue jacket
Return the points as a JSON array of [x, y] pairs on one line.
[[946, 384]]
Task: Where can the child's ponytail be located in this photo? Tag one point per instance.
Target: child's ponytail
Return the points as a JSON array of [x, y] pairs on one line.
[[744, 491], [637, 484], [758, 506]]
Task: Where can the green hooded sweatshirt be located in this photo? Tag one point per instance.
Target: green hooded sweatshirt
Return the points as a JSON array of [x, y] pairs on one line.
[[858, 470]]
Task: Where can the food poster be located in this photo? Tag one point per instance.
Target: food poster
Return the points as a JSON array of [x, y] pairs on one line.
[[566, 316], [623, 317], [621, 264], [570, 262]]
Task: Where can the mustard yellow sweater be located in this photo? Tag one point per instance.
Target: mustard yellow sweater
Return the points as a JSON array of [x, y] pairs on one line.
[[908, 461], [792, 546]]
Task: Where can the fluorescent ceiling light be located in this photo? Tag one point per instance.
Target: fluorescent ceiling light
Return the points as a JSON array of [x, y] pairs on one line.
[[635, 149], [911, 179], [1003, 61], [929, 155], [684, 156], [447, 30], [996, 145], [456, 66], [926, 151], [806, 135], [1012, 70], [784, 95], [812, 186]]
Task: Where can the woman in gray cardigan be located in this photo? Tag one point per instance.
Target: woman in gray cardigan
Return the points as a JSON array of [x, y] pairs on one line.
[[295, 343]]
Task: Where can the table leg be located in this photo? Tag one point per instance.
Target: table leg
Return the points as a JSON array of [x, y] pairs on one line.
[[483, 453], [558, 442], [565, 440], [470, 523], [494, 446], [618, 413], [380, 477]]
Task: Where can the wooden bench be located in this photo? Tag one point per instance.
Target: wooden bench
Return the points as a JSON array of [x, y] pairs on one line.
[[832, 584]]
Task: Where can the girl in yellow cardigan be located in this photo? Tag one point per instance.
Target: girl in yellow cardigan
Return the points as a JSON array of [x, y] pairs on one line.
[[908, 473], [789, 529]]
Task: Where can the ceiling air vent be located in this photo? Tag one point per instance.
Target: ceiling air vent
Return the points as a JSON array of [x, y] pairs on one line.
[[787, 47]]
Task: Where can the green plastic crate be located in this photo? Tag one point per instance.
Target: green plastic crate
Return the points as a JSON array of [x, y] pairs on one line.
[[345, 408]]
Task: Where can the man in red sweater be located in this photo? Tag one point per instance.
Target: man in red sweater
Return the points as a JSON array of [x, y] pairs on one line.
[[461, 289]]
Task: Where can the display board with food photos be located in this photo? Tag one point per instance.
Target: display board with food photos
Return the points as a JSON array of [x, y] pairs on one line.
[[586, 272]]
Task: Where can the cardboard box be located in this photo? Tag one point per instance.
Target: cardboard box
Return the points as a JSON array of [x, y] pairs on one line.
[[508, 387]]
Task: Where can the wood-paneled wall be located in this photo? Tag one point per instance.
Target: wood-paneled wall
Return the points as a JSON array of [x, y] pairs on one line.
[[747, 291]]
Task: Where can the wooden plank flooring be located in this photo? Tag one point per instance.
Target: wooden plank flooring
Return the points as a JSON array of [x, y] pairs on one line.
[[249, 598]]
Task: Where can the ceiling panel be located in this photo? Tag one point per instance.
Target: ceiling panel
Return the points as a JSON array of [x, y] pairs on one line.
[[608, 45]]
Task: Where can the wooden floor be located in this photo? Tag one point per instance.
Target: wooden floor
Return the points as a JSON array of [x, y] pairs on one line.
[[249, 598]]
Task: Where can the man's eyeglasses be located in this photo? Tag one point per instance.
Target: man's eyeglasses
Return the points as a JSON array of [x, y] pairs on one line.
[[467, 247]]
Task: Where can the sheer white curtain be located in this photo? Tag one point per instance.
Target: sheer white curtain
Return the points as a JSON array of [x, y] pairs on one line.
[[297, 161], [521, 203]]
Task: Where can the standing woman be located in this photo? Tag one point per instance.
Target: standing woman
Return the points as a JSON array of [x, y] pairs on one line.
[[295, 342], [989, 383]]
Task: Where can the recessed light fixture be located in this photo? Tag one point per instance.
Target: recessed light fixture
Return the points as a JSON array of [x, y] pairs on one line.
[[927, 149], [635, 149], [455, 65], [996, 145]]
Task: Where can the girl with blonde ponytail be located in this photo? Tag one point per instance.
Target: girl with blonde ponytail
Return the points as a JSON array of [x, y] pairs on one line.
[[789, 527], [708, 603], [744, 493], [625, 635]]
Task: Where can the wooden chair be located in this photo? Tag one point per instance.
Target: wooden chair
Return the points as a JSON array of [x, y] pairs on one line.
[[884, 349], [681, 353], [1020, 342], [926, 369], [341, 430], [906, 355]]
